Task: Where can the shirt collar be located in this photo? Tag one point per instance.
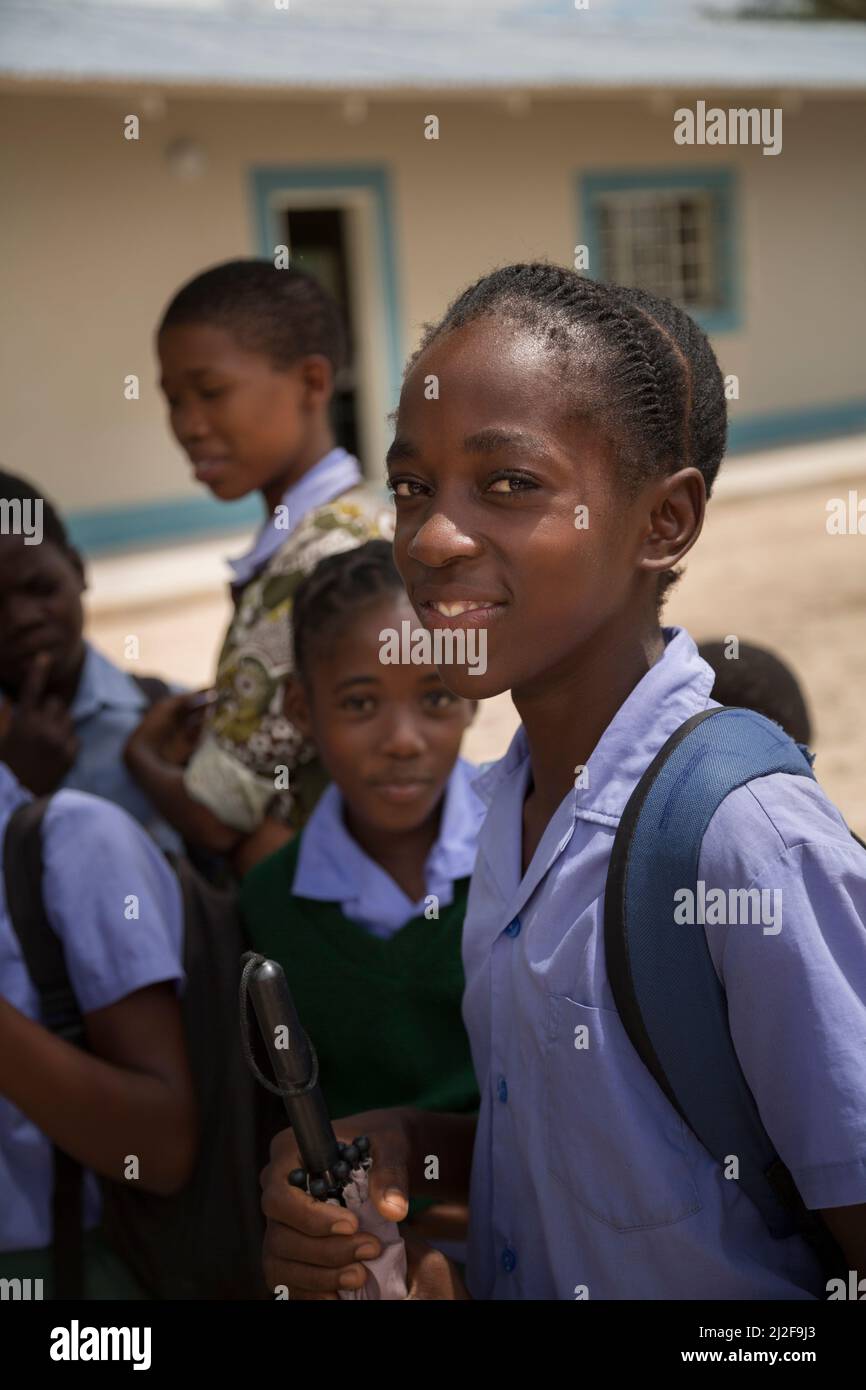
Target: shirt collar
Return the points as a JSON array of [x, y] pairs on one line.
[[102, 685], [329, 478], [332, 866], [676, 687], [453, 855]]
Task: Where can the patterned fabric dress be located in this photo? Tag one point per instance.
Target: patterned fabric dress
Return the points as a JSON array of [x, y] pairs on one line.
[[251, 761]]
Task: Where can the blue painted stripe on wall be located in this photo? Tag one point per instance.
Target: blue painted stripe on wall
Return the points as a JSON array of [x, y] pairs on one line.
[[796, 426], [193, 518], [107, 529]]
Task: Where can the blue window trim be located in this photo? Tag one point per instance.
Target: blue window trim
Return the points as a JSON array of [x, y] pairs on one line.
[[722, 182], [270, 180]]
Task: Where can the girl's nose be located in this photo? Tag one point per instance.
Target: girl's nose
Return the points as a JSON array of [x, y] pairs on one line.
[[403, 738], [189, 424], [439, 540]]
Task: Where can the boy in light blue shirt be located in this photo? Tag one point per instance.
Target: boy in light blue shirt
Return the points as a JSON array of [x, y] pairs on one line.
[[66, 711]]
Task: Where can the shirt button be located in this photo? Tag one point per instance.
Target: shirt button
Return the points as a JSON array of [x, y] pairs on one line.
[[502, 1089], [509, 1259], [513, 928]]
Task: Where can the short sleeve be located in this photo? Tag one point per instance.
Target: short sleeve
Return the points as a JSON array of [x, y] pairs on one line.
[[795, 981], [112, 899]]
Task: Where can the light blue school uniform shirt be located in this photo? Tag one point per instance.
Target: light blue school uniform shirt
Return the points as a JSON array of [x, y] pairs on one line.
[[333, 475], [584, 1176], [95, 856], [332, 866], [106, 708]]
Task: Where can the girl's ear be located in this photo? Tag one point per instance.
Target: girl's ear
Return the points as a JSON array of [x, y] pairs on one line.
[[317, 376], [296, 706], [677, 506]]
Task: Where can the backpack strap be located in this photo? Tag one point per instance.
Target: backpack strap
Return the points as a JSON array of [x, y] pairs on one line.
[[46, 966], [664, 983]]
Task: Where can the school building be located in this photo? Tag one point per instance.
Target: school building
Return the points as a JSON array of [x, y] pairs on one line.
[[399, 151]]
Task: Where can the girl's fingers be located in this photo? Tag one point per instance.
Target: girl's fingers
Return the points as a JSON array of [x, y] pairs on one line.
[[287, 1206], [334, 1252], [389, 1179], [312, 1278], [34, 681]]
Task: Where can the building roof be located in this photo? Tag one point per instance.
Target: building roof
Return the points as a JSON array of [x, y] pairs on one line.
[[395, 46]]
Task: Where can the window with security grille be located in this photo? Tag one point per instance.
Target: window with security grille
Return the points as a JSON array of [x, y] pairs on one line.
[[664, 241]]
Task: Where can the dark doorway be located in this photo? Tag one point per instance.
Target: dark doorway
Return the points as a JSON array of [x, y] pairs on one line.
[[316, 238]]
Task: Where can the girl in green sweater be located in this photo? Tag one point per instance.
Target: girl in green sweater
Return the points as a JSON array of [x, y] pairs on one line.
[[364, 908]]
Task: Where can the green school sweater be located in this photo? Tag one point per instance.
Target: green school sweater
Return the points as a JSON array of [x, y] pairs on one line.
[[383, 1014]]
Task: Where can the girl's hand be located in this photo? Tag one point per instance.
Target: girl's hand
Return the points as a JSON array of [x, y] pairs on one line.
[[39, 744], [431, 1276], [171, 729], [313, 1248]]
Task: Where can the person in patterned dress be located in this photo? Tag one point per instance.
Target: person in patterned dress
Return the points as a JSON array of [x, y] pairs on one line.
[[248, 356]]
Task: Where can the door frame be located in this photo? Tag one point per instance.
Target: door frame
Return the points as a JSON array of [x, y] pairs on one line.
[[364, 193]]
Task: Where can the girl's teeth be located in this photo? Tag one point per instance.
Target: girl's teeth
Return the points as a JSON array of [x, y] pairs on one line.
[[453, 610]]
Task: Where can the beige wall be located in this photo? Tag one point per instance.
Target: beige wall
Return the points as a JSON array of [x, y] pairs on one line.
[[97, 233]]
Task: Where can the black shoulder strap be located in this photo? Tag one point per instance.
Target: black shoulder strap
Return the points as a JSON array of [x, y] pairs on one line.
[[46, 966], [153, 688], [40, 945]]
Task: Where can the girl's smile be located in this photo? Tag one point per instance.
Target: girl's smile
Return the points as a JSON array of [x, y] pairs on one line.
[[456, 612]]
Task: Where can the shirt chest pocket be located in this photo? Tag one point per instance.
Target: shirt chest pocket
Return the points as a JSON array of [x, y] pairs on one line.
[[613, 1141]]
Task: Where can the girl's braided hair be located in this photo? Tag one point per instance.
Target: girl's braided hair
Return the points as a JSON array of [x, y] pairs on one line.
[[656, 387], [327, 597]]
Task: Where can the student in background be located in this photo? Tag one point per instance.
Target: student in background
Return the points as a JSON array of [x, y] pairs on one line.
[[364, 909], [130, 1091], [248, 357], [66, 711], [755, 678], [561, 401]]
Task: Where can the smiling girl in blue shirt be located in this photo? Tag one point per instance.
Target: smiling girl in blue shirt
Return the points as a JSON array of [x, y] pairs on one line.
[[555, 395]]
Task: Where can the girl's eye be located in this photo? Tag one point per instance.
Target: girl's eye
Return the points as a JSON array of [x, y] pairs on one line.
[[404, 487], [509, 483], [213, 392], [439, 699], [358, 704]]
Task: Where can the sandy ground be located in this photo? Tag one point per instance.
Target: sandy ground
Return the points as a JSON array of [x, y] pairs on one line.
[[764, 570]]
